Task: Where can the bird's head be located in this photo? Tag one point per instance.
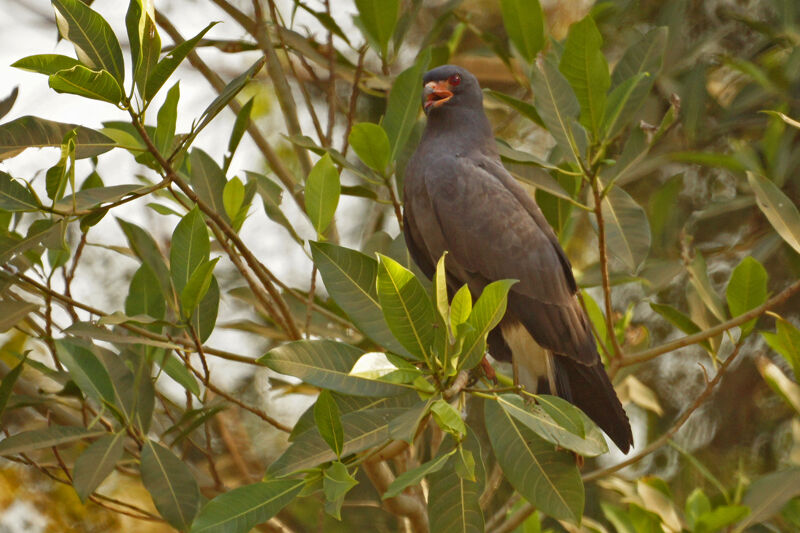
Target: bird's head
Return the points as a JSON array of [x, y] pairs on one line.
[[449, 86]]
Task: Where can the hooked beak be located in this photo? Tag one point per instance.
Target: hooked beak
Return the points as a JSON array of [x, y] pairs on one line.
[[435, 93]]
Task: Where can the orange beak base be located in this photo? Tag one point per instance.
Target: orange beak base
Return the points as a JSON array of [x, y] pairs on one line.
[[436, 93]]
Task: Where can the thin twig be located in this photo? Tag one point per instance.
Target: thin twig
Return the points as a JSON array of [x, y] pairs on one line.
[[351, 110]]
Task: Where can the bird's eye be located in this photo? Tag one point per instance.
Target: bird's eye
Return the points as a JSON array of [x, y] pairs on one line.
[[454, 80]]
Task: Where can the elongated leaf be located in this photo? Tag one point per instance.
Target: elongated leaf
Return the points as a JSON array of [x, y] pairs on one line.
[[242, 508], [524, 108], [47, 64], [327, 364], [208, 181], [415, 475], [767, 495], [189, 249], [585, 67], [698, 277], [95, 84], [271, 196], [645, 55], [747, 289], [371, 144], [785, 388], [786, 341], [170, 484], [362, 430], [8, 102], [336, 483], [230, 91], [178, 372], [329, 421], [167, 65], [134, 24], [197, 286], [146, 249], [150, 51], [204, 317], [627, 229], [144, 296], [167, 118], [85, 369], [486, 314], [8, 382], [12, 312], [33, 132], [778, 208], [38, 234], [350, 278], [239, 127], [96, 463], [559, 108], [406, 307], [404, 104], [545, 477], [453, 499], [94, 40], [524, 22], [680, 320], [623, 103], [545, 426], [45, 438], [378, 18], [322, 193]]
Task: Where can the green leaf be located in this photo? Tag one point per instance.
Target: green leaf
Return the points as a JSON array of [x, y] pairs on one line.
[[95, 84], [240, 509], [12, 312], [697, 504], [45, 438], [336, 483], [167, 65], [208, 181], [94, 196], [454, 500], [524, 108], [144, 296], [326, 364], [15, 197], [698, 277], [545, 477], [415, 475], [378, 18], [448, 419], [721, 517], [7, 385], [47, 64], [329, 421], [585, 67], [94, 40], [198, 286], [362, 430], [8, 102], [233, 197], [33, 132], [146, 249], [150, 51], [486, 314], [322, 193], [524, 23], [767, 495], [171, 485], [271, 194], [178, 372], [460, 307], [204, 317], [404, 104], [371, 144], [559, 108], [350, 279], [645, 55], [134, 24], [746, 290], [406, 307], [189, 249], [41, 232], [781, 212], [786, 341], [85, 369], [788, 390], [627, 229], [227, 94], [96, 463], [239, 127], [681, 321], [167, 118], [623, 103], [544, 425]]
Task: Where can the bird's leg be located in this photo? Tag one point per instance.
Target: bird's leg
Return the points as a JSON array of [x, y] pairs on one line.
[[488, 369]]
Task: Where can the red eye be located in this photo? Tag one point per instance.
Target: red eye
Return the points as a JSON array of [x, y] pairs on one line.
[[454, 80]]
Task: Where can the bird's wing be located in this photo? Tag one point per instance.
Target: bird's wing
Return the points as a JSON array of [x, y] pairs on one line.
[[493, 230]]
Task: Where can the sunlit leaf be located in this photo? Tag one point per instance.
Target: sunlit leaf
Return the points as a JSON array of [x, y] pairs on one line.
[[47, 64], [33, 132], [378, 18], [524, 23], [486, 314], [95, 84], [208, 181], [404, 104], [322, 193], [746, 290], [371, 144], [167, 118]]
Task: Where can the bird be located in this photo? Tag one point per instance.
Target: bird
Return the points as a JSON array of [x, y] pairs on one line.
[[459, 198]]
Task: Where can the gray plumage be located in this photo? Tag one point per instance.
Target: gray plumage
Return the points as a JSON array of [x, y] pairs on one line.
[[458, 197]]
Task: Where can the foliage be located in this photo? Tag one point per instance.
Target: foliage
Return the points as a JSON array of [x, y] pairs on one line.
[[665, 170]]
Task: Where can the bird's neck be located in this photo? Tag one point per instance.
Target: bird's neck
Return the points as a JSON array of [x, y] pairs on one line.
[[462, 129]]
